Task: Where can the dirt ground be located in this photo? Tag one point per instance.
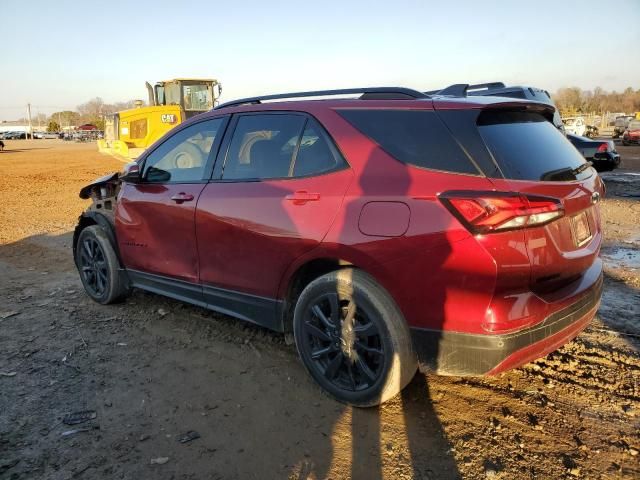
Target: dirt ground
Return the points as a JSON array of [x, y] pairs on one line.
[[154, 369]]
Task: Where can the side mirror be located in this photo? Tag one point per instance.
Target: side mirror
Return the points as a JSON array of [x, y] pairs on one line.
[[131, 173]]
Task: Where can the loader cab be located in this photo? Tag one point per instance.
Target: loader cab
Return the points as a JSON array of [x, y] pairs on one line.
[[194, 96]]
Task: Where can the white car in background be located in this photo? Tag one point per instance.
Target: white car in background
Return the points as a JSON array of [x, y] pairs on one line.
[[575, 126]]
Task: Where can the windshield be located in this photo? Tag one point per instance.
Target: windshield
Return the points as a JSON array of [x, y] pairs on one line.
[[570, 121], [197, 97]]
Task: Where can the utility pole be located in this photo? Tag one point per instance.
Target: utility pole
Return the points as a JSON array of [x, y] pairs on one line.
[[29, 116]]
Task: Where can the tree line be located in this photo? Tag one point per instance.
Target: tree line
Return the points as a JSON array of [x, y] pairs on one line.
[[92, 112], [574, 100]]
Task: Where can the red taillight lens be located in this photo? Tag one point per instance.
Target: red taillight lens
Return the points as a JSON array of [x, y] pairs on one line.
[[603, 147], [486, 212]]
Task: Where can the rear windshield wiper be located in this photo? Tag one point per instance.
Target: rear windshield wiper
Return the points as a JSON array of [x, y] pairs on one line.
[[581, 168], [565, 174]]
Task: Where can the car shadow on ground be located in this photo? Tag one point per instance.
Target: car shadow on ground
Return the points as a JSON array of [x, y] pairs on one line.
[[154, 368]]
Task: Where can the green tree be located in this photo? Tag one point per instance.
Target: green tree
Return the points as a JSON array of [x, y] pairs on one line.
[[65, 118], [53, 126]]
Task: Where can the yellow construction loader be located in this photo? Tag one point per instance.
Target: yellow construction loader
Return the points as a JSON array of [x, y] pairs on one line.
[[129, 132]]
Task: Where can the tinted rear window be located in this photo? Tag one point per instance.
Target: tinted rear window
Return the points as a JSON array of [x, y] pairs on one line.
[[527, 146], [416, 137]]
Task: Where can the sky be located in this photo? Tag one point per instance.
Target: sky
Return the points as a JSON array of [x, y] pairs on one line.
[[57, 55]]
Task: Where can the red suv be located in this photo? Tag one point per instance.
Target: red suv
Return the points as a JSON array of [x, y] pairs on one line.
[[385, 231]]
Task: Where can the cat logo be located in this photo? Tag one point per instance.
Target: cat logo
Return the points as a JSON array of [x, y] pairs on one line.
[[168, 118]]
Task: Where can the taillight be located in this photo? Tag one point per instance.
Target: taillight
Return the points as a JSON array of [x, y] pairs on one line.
[[603, 147], [486, 212]]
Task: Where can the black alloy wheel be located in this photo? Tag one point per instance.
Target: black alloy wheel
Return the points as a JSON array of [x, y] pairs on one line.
[[343, 342], [93, 266], [102, 277]]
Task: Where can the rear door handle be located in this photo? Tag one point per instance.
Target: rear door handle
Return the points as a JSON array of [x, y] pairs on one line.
[[301, 197], [182, 197]]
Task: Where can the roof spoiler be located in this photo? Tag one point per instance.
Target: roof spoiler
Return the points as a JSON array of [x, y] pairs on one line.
[[460, 89]]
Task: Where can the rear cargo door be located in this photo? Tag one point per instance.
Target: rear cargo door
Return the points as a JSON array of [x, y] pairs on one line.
[[537, 160]]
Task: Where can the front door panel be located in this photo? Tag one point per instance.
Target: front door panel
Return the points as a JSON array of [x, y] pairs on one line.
[[155, 218], [155, 233]]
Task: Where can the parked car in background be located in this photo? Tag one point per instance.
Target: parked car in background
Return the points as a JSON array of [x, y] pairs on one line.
[[591, 131], [16, 136], [50, 135], [632, 133], [386, 231], [611, 118], [621, 124], [601, 153], [575, 126], [12, 135]]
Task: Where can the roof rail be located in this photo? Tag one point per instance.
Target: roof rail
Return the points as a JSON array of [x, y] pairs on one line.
[[368, 93]]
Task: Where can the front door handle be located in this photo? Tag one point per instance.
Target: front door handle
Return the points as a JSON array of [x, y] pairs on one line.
[[301, 197], [182, 197]]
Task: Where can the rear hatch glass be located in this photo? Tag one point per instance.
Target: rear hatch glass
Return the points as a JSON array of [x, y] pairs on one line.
[[526, 146], [537, 159]]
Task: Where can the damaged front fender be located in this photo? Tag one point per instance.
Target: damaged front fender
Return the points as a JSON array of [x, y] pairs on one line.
[[103, 193], [99, 183]]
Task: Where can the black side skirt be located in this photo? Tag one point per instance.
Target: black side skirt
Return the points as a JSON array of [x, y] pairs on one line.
[[262, 311]]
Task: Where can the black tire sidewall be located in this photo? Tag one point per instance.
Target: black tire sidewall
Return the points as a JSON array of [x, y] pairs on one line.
[[113, 289], [331, 284]]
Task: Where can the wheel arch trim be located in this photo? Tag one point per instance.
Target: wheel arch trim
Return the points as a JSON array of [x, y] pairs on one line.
[[95, 218]]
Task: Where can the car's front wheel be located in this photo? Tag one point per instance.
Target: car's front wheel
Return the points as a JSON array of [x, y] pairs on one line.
[[353, 339], [98, 266]]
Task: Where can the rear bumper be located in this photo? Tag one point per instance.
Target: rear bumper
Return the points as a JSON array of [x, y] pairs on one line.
[[606, 162], [454, 353]]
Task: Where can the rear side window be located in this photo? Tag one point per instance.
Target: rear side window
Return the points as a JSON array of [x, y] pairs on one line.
[[315, 153], [263, 146], [279, 146], [415, 137], [527, 146]]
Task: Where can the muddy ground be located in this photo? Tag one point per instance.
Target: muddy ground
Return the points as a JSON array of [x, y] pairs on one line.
[[154, 369]]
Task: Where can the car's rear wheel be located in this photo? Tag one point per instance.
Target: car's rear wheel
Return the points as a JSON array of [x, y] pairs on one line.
[[353, 339], [98, 266]]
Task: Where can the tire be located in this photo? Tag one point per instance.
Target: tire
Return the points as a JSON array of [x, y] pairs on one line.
[[98, 267], [363, 362]]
